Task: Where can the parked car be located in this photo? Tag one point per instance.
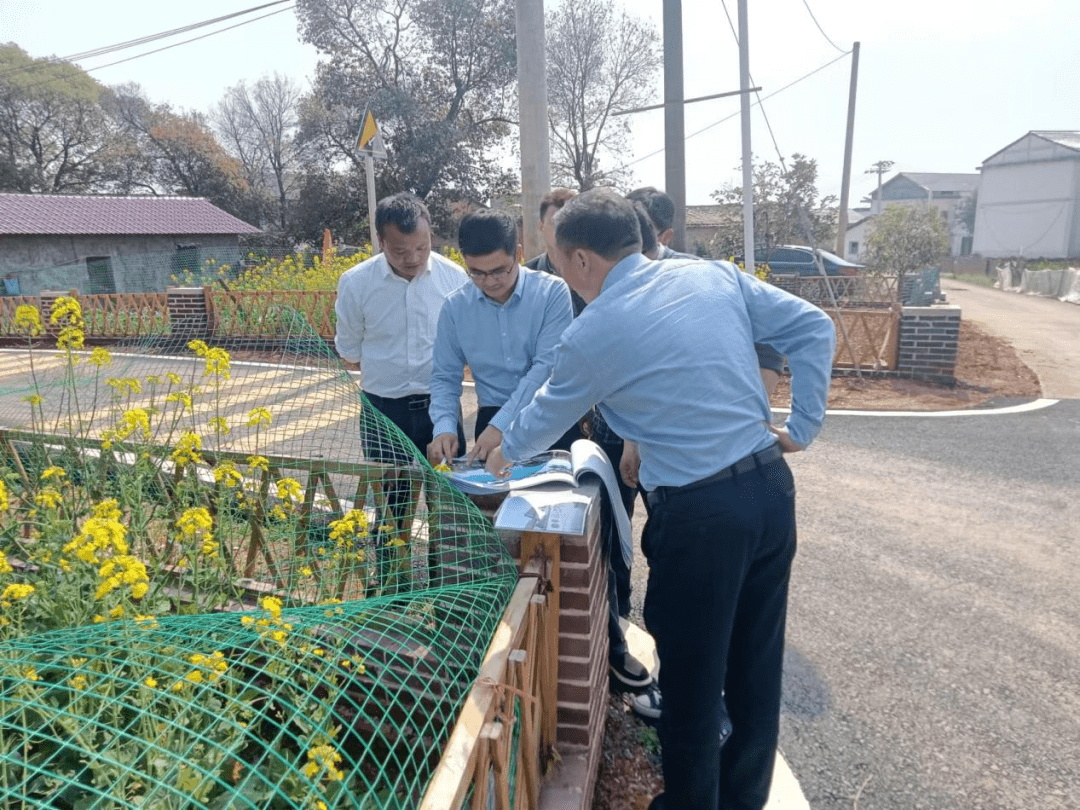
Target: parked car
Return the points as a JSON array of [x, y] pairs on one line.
[[800, 259]]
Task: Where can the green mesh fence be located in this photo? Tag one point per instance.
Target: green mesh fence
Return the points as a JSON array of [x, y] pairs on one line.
[[226, 582]]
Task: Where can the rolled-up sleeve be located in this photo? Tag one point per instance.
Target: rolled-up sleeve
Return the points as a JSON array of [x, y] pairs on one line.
[[804, 333]]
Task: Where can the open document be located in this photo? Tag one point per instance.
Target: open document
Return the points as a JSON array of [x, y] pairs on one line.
[[546, 510]]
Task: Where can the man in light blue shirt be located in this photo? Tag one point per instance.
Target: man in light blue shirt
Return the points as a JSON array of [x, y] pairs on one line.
[[668, 353], [504, 327]]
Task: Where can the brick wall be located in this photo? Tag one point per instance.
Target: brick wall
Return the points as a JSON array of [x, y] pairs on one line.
[[583, 650], [188, 312], [929, 340]]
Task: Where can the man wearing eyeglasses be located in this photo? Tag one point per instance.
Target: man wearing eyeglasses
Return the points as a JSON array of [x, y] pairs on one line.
[[504, 327]]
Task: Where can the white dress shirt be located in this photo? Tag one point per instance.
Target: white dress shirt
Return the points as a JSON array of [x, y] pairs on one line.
[[388, 324]]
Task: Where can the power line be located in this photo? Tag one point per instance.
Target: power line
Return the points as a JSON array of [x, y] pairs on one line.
[[165, 34], [166, 47], [107, 49], [734, 115], [819, 28]]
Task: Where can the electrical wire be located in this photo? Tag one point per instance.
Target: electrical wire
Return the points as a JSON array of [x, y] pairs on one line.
[[819, 28], [726, 118], [107, 49], [165, 48]]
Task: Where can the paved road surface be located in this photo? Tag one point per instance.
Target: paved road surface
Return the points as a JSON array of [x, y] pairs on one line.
[[1045, 331]]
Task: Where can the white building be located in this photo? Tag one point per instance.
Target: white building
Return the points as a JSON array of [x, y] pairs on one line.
[[944, 191], [1029, 198]]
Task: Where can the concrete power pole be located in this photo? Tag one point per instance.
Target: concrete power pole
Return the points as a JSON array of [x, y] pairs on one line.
[[674, 126], [879, 169], [747, 151], [533, 130], [845, 184]]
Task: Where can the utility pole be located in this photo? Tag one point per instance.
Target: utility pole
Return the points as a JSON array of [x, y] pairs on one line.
[[674, 126], [747, 152], [879, 169], [845, 183], [532, 105]]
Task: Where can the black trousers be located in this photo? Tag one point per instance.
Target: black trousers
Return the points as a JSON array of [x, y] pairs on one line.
[[719, 563], [410, 415]]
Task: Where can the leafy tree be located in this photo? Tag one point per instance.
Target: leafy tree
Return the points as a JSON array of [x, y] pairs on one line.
[[906, 238], [439, 76], [787, 209], [178, 154], [258, 126], [599, 60], [964, 213], [57, 130]]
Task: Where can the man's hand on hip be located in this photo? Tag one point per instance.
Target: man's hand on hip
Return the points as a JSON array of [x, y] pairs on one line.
[[787, 444], [630, 463]]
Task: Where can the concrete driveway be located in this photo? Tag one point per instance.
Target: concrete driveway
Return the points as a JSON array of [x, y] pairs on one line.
[[1045, 331]]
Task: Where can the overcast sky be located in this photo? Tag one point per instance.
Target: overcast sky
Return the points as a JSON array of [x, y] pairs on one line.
[[943, 84]]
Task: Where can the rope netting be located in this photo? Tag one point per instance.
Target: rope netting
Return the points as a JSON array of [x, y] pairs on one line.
[[225, 582]]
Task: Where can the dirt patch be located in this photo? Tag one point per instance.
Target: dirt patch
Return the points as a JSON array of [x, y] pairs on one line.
[[629, 774], [987, 367]]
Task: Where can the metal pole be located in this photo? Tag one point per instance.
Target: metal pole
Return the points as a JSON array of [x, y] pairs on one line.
[[845, 183], [369, 165], [533, 130], [747, 154], [674, 127]]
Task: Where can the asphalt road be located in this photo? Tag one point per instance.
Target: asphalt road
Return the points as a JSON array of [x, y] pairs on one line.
[[933, 646]]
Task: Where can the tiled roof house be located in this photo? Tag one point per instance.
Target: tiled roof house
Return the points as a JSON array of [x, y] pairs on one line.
[[109, 243]]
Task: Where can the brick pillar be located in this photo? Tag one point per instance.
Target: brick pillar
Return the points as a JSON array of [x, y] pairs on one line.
[[929, 341], [583, 651], [188, 315], [45, 306]]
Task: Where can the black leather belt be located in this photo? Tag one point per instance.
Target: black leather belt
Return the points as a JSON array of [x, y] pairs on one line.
[[412, 402], [743, 465]]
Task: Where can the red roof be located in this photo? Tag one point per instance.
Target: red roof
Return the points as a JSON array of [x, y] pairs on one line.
[[50, 214]]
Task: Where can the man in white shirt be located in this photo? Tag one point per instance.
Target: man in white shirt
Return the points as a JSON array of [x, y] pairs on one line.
[[387, 314]]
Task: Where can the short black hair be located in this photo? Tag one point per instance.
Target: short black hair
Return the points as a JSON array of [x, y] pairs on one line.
[[648, 235], [556, 198], [404, 211], [660, 206], [601, 221], [486, 231]]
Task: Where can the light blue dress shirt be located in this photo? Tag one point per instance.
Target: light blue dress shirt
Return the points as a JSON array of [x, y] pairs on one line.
[[668, 353], [509, 347]]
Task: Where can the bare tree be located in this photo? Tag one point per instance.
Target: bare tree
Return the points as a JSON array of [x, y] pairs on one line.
[[439, 76], [258, 125], [600, 60]]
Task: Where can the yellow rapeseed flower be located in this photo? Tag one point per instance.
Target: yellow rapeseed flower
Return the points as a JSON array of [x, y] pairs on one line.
[[323, 758], [199, 347], [183, 398], [49, 498], [53, 472], [151, 682], [70, 337], [259, 463], [187, 450], [227, 474], [33, 399], [14, 592], [173, 377], [217, 364], [258, 416], [28, 319], [78, 682], [66, 309], [100, 357], [4, 505], [219, 425]]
